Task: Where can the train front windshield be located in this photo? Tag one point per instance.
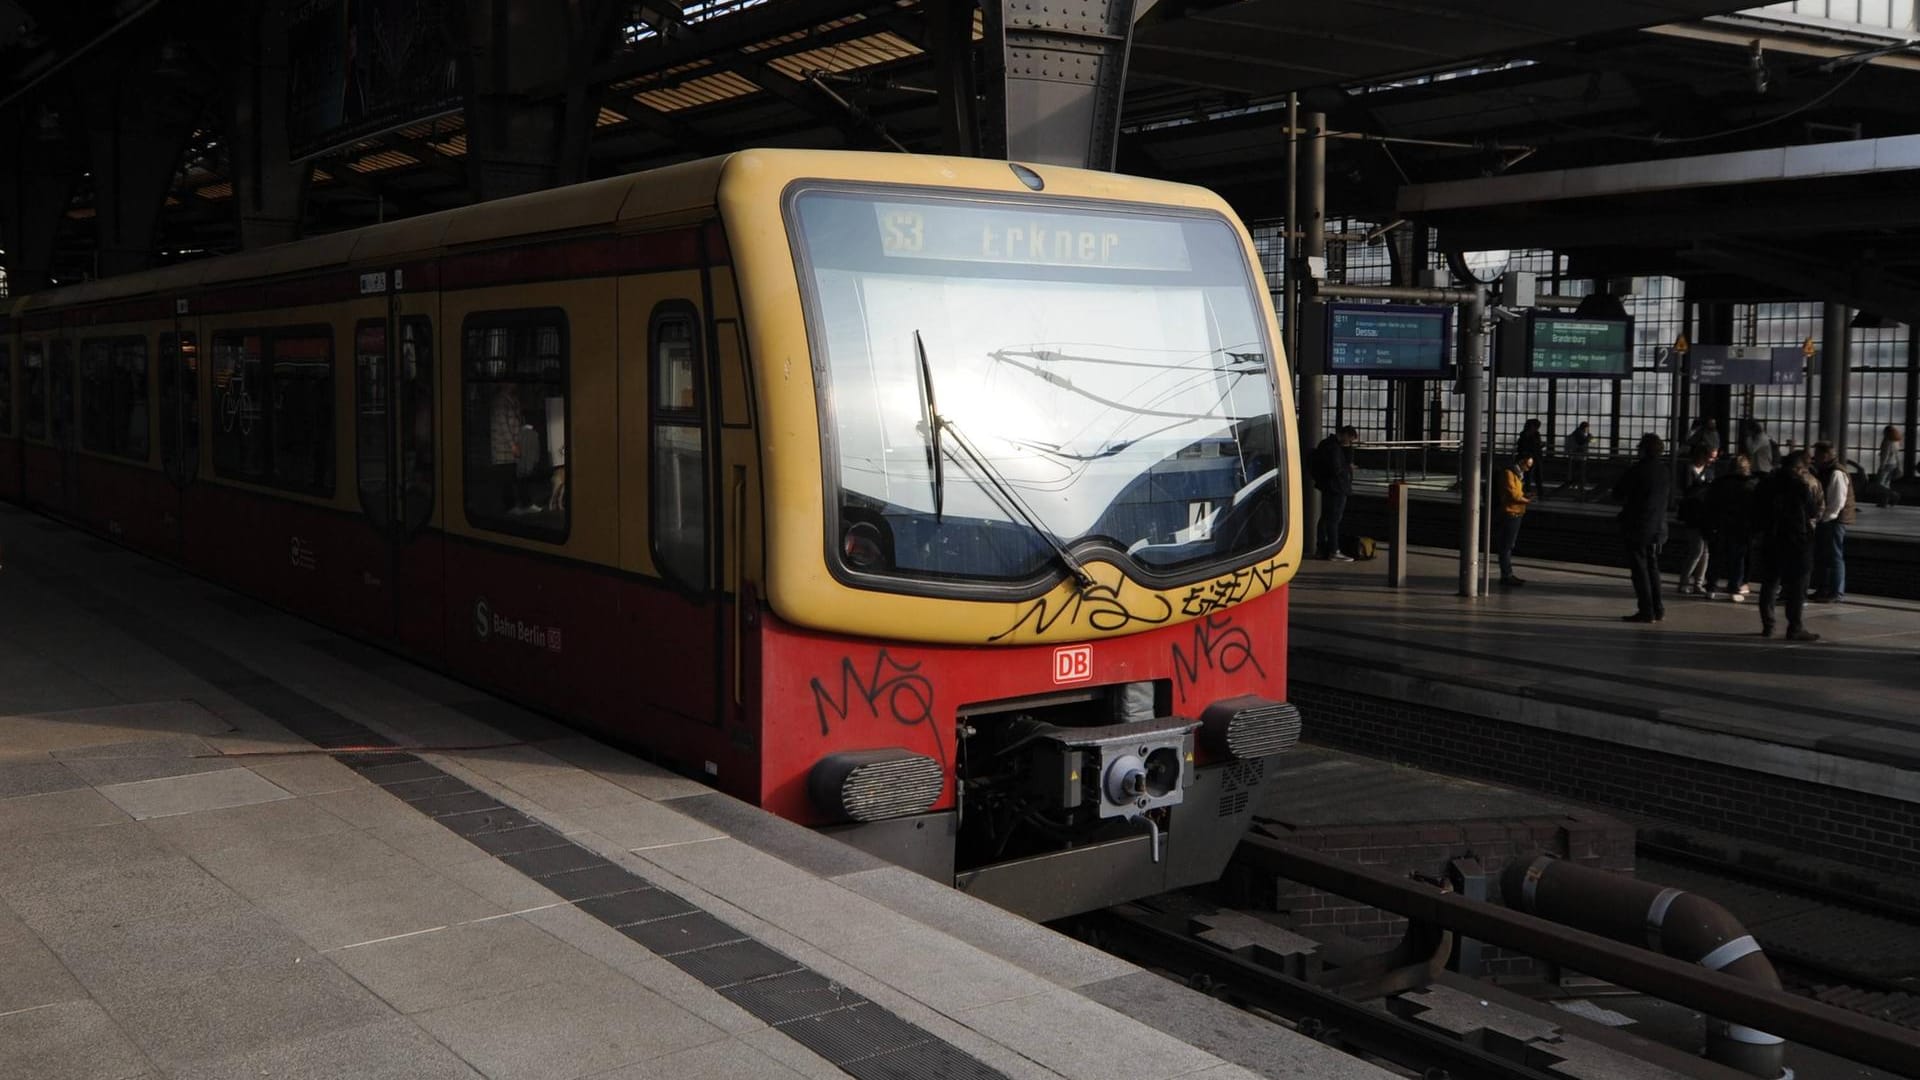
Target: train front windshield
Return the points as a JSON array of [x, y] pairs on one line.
[[1003, 381]]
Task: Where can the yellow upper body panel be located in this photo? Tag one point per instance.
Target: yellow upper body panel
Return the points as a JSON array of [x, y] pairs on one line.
[[799, 584]]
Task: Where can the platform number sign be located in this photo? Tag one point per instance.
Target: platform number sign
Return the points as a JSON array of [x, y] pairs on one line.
[[1072, 664]]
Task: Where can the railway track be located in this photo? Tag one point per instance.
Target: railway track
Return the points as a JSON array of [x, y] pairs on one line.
[[1855, 952]]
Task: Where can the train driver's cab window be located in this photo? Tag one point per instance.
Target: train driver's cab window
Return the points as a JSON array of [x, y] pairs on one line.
[[114, 417], [33, 387], [513, 389], [679, 504], [6, 389]]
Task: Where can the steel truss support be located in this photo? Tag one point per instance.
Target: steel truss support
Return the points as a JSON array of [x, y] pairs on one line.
[[1055, 77], [269, 193], [34, 190]]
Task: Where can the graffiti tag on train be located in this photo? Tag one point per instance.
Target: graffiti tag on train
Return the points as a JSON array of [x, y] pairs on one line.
[[1228, 590], [1217, 646], [890, 691], [490, 625], [1098, 607]]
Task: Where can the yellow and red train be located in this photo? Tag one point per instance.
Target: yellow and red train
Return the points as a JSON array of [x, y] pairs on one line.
[[947, 504]]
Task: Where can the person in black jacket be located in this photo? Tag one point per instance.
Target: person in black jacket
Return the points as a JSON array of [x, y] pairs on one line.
[[1643, 490], [1785, 510], [1730, 509], [1531, 446], [1333, 475], [1695, 528]]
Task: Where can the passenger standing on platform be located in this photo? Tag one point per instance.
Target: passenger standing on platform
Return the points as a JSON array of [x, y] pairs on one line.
[[1730, 512], [1887, 466], [1333, 475], [1786, 508], [1643, 491], [1529, 447], [1759, 447], [1705, 433], [1693, 520], [1578, 442], [1513, 508], [1836, 515]]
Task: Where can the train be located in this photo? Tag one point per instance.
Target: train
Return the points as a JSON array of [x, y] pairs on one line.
[[944, 505]]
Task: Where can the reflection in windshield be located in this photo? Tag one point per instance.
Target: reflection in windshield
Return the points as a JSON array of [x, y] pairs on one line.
[[1126, 402]]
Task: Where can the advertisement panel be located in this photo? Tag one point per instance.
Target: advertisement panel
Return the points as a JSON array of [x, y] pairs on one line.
[[356, 68]]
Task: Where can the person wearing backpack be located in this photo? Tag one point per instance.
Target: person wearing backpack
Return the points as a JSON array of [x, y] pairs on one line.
[[1512, 510], [1333, 475]]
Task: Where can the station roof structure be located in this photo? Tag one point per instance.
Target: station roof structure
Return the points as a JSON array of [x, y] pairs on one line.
[[1420, 95]]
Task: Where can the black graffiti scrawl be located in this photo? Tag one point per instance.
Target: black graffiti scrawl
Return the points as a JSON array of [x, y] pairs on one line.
[[1217, 645], [891, 690]]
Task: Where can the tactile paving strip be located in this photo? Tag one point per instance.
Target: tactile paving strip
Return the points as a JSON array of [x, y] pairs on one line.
[[841, 1026], [858, 1036]]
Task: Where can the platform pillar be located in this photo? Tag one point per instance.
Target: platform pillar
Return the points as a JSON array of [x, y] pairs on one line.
[[1836, 365], [1311, 231], [269, 191], [33, 194], [141, 103], [1398, 507]]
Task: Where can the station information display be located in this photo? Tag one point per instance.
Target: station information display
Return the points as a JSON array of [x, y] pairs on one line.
[[1389, 340], [1570, 347]]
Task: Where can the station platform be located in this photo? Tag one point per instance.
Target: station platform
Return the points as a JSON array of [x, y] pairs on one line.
[[1697, 720], [233, 845], [1883, 545]]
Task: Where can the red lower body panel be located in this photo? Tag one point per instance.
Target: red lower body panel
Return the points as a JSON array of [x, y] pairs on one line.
[[821, 693]]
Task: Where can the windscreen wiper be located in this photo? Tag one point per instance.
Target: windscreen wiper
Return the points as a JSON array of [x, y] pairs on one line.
[[1008, 497], [930, 412]]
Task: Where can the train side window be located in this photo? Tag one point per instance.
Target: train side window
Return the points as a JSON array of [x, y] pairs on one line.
[[6, 389], [114, 414], [60, 394], [372, 424], [240, 447], [513, 394], [180, 405], [33, 387], [300, 390], [678, 511]]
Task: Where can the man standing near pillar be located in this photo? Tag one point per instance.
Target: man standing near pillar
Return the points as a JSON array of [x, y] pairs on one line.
[[1642, 491], [1785, 509], [1333, 475], [1836, 515]]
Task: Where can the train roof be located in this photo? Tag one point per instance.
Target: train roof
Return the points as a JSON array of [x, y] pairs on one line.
[[674, 191]]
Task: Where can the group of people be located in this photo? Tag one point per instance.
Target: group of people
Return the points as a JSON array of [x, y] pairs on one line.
[[1786, 528]]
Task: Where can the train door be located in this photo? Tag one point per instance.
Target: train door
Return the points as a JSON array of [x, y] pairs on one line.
[[47, 377], [397, 464], [179, 358]]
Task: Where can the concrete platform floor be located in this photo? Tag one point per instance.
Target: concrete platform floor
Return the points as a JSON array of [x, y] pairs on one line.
[[190, 888], [1855, 694]]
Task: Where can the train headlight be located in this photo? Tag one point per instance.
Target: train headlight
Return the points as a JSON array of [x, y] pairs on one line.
[[862, 546], [1250, 726], [874, 785]]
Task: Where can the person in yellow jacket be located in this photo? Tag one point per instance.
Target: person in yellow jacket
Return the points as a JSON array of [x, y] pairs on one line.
[[1511, 509]]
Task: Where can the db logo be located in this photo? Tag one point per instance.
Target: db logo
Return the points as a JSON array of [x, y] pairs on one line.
[[1073, 664]]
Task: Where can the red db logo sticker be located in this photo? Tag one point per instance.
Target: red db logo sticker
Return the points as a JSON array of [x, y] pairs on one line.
[[1073, 664]]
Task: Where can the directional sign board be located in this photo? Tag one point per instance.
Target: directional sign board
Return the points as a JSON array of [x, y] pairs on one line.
[[1749, 365], [1394, 340]]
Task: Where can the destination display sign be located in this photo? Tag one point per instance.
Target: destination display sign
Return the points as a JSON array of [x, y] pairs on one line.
[[996, 234], [1388, 340], [1749, 365], [1566, 346]]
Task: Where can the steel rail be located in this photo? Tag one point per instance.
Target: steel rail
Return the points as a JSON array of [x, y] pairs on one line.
[[1823, 1027], [1346, 1022]]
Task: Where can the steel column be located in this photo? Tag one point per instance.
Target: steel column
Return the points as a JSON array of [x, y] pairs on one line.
[[1312, 232], [1473, 405], [1912, 424], [268, 192], [33, 195], [950, 40], [1836, 365]]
